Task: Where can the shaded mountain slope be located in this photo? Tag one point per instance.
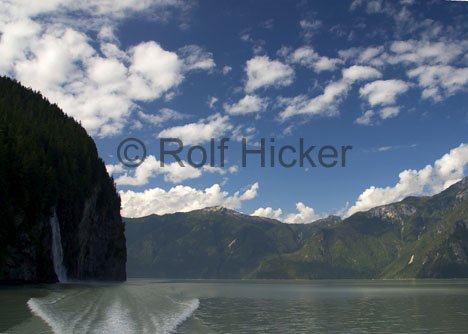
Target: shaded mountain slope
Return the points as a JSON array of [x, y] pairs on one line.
[[49, 165]]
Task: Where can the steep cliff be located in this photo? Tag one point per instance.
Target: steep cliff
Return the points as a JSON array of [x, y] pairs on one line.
[[59, 210]]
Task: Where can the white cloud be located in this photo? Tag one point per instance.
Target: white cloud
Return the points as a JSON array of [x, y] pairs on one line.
[[212, 100], [200, 132], [436, 65], [389, 112], [226, 69], [248, 104], [172, 172], [306, 56], [365, 118], [304, 214], [195, 58], [426, 52], [356, 73], [151, 167], [440, 81], [263, 72], [368, 118], [15, 37], [162, 116], [268, 213], [310, 27], [372, 55], [153, 71], [323, 105], [327, 103], [409, 53], [383, 92], [115, 169], [94, 81], [181, 199], [427, 181]]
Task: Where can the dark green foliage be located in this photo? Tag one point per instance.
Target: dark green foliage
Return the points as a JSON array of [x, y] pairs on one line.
[[47, 161]]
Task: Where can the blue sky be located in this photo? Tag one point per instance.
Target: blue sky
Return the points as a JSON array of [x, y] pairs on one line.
[[389, 78]]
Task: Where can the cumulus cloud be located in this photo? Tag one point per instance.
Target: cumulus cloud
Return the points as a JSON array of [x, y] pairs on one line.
[[389, 112], [268, 213], [181, 199], [435, 65], [356, 73], [323, 105], [369, 117], [13, 10], [248, 104], [310, 27], [263, 72], [173, 172], [151, 167], [372, 55], [426, 52], [365, 118], [429, 180], [326, 104], [96, 82], [161, 116], [409, 53], [212, 100], [383, 92], [226, 69], [439, 81], [200, 132], [306, 56], [196, 58], [304, 214]]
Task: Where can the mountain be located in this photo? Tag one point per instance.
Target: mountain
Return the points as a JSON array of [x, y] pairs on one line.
[[60, 213], [419, 237]]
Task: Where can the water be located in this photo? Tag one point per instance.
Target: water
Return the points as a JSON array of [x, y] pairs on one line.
[[148, 306], [57, 251]]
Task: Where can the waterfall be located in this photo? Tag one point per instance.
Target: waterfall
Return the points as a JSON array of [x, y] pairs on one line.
[[57, 250]]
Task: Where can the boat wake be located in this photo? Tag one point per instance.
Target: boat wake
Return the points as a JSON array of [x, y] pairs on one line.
[[122, 309]]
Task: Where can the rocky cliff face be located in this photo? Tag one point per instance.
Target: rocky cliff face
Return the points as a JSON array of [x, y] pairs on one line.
[[95, 248], [59, 210]]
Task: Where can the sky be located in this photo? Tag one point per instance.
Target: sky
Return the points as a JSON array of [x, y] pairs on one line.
[[389, 78]]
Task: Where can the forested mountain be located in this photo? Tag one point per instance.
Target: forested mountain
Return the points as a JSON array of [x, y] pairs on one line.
[[425, 237], [50, 174]]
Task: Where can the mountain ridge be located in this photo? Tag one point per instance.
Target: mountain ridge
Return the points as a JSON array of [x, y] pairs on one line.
[[418, 237]]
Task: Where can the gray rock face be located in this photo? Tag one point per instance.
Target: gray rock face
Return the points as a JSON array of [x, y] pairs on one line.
[[96, 249], [393, 212], [27, 260]]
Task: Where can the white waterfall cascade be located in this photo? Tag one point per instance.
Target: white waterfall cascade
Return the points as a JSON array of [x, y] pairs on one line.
[[57, 250]]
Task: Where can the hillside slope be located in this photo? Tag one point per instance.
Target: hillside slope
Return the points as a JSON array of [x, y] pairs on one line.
[[60, 213], [424, 237]]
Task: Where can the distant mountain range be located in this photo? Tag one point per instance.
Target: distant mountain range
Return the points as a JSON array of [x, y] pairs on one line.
[[419, 237]]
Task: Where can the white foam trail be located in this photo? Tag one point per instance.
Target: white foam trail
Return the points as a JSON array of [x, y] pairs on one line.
[[117, 320], [175, 320], [113, 311], [37, 309], [57, 250]]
